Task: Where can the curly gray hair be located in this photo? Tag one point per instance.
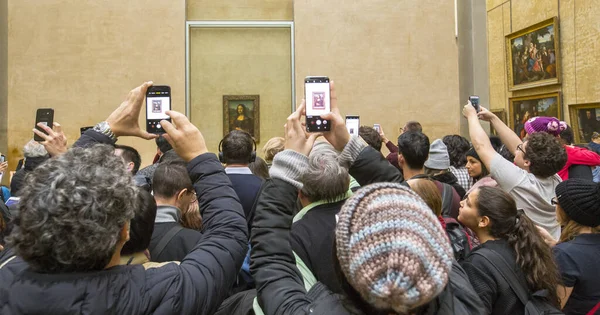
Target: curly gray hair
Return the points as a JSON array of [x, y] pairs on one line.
[[325, 178], [34, 149], [72, 211]]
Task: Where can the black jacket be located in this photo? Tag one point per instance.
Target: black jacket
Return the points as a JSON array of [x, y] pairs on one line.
[[450, 179], [197, 286], [247, 187], [180, 245], [278, 281], [18, 180]]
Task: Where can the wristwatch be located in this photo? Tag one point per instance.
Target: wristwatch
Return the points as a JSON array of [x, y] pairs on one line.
[[104, 129]]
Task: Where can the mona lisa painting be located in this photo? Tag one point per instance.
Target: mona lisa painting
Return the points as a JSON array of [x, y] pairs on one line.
[[241, 112]]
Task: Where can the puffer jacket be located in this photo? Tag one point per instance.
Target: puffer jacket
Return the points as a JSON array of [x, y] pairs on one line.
[[279, 283], [197, 286]]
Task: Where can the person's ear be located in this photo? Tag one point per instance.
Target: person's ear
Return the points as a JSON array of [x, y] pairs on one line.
[[400, 159], [181, 194], [124, 234], [484, 222], [130, 166], [526, 163]]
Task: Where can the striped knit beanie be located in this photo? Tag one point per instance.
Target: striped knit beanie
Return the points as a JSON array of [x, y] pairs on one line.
[[392, 248]]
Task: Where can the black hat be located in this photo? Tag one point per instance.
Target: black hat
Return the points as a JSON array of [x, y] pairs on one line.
[[580, 199]]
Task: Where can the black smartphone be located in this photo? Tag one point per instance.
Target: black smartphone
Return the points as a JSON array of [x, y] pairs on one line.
[[316, 94], [158, 102], [475, 102], [352, 124], [46, 117], [82, 130]]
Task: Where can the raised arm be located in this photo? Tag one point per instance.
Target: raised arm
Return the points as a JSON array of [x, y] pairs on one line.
[[479, 138], [509, 138]]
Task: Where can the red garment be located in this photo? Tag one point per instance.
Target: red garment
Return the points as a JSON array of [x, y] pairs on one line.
[[393, 156], [578, 156]]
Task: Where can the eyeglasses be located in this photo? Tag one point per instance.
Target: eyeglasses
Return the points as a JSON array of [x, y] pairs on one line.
[[554, 201], [520, 148]]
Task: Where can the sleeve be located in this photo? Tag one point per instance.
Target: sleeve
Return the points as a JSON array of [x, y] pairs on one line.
[[279, 283], [567, 266], [583, 157], [392, 147], [200, 283], [367, 165], [505, 173], [480, 281], [90, 138]]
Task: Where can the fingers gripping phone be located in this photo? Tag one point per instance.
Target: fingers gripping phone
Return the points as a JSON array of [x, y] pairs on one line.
[[158, 102], [475, 102], [318, 102], [46, 117], [353, 124]]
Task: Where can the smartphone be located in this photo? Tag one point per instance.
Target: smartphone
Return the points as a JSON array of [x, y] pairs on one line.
[[158, 102], [352, 124], [377, 127], [82, 130], [316, 94], [475, 102], [2, 158], [46, 117]]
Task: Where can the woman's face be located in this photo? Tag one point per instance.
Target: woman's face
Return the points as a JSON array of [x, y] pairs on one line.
[[468, 213], [473, 167], [240, 109]]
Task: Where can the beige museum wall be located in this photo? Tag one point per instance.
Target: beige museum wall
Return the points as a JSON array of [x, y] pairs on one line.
[[199, 10], [392, 61], [82, 57], [580, 58]]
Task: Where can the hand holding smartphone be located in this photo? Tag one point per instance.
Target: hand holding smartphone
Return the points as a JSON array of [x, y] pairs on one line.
[[474, 99], [158, 102], [353, 124], [377, 128], [46, 117], [318, 102]]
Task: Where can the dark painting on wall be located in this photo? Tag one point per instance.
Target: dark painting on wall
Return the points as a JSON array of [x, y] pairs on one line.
[[241, 112], [523, 108]]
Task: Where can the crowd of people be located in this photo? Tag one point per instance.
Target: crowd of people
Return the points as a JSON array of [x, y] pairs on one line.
[[324, 223]]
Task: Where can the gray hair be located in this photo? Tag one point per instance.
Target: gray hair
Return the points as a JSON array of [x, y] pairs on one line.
[[72, 210], [34, 149], [325, 178]]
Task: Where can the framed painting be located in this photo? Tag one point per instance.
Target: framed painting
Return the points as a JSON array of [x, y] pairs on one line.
[[520, 109], [585, 120], [533, 56], [241, 112], [500, 113]]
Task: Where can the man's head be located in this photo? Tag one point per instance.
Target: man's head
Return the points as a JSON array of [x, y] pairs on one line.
[[162, 145], [237, 148], [132, 158], [542, 155], [438, 160], [566, 136], [142, 224], [325, 178], [412, 126], [457, 148], [172, 185], [371, 137], [413, 150], [75, 211]]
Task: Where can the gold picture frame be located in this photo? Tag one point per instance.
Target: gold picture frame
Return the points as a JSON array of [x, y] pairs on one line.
[[584, 121], [533, 56], [242, 112], [520, 109], [500, 113]]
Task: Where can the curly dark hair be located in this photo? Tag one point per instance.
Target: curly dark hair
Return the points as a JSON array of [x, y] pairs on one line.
[[534, 256], [545, 153], [371, 137], [142, 224], [457, 148], [72, 211]]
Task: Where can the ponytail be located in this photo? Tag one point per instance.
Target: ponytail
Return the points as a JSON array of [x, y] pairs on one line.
[[534, 256]]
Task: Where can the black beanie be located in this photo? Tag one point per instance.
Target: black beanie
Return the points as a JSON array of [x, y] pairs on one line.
[[580, 199], [473, 153]]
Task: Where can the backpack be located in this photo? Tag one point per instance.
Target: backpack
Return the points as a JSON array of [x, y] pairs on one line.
[[446, 199], [536, 302], [459, 239]]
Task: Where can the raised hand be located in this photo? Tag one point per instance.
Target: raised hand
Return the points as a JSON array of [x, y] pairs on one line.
[[485, 115], [296, 137], [184, 137], [55, 140], [124, 120], [339, 135]]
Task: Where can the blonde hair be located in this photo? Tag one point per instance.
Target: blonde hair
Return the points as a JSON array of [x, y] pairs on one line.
[[272, 147], [571, 229], [428, 191]]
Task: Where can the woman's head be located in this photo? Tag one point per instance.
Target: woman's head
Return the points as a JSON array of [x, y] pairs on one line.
[[496, 215], [475, 167], [577, 206], [390, 223], [272, 147], [457, 147], [241, 109], [429, 192]]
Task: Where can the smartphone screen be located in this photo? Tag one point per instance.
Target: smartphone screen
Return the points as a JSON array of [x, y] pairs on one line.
[[2, 158], [352, 124], [377, 127], [46, 117], [475, 102], [316, 90], [158, 102]]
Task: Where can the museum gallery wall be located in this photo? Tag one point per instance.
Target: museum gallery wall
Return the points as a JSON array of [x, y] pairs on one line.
[[541, 64]]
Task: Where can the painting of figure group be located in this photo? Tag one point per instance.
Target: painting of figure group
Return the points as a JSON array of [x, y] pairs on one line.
[[524, 108], [534, 56]]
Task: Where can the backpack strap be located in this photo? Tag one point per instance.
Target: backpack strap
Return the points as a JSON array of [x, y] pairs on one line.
[[162, 244], [594, 310], [507, 273], [446, 199]]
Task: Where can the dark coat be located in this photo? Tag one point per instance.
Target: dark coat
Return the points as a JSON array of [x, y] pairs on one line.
[[278, 281], [18, 180], [180, 245], [197, 286]]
